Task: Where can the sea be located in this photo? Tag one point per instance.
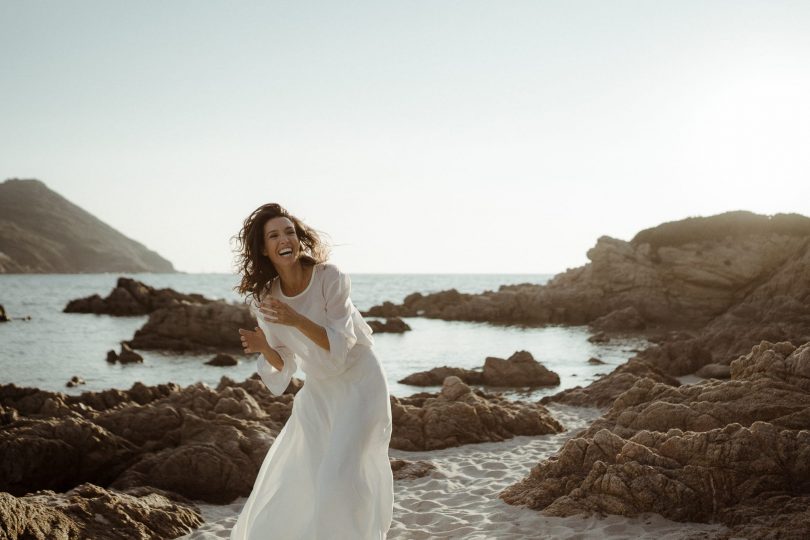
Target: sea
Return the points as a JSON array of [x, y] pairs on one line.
[[43, 347]]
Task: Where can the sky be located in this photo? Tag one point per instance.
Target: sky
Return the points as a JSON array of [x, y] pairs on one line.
[[421, 136]]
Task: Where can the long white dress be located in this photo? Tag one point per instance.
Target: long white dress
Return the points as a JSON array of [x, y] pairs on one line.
[[327, 474]]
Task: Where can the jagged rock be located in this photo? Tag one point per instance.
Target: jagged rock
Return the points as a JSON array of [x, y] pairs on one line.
[[604, 391], [520, 369], [223, 360], [202, 443], [408, 470], [458, 415], [127, 355], [714, 451], [90, 511], [132, 297], [393, 325]]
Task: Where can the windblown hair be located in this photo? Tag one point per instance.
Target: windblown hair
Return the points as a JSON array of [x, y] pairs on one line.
[[256, 269]]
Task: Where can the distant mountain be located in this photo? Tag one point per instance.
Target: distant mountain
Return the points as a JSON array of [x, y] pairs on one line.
[[42, 232]]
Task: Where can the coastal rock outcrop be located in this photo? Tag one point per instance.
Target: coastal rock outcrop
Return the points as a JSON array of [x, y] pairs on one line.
[[460, 415], [132, 297], [733, 279], [714, 451], [211, 327], [519, 370]]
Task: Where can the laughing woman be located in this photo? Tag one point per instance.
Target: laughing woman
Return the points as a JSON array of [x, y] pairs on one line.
[[327, 475]]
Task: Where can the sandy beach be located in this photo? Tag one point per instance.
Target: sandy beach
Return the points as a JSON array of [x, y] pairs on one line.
[[460, 498]]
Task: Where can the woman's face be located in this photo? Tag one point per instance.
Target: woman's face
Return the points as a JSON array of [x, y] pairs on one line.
[[280, 242]]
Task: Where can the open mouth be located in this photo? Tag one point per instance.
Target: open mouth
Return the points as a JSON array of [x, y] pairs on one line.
[[286, 252]]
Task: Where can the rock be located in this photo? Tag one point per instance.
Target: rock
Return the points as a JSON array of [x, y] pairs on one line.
[[714, 371], [223, 360], [391, 325], [734, 451], [595, 361], [211, 327], [75, 381], [604, 391], [520, 369], [623, 319], [199, 442], [3, 316], [731, 280], [458, 415], [435, 376], [90, 511], [132, 297], [409, 470], [599, 337], [128, 356]]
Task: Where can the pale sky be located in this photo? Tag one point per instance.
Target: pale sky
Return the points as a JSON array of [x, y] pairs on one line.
[[422, 136]]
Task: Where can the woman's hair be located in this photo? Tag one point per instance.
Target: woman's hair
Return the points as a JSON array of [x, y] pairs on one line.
[[256, 269]]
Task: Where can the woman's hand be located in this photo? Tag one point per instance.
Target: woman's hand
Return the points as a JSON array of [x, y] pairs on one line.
[[276, 311], [253, 341]]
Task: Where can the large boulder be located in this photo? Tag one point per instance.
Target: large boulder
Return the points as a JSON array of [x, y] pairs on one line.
[[211, 327], [458, 415], [520, 369]]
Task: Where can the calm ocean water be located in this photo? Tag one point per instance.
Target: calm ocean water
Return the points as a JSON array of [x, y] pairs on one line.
[[53, 346]]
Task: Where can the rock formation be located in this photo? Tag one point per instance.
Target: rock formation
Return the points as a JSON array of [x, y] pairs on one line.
[[132, 297], [716, 451], [459, 415], [211, 327], [733, 279], [519, 370]]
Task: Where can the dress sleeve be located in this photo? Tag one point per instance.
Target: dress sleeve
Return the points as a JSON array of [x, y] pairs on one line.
[[340, 328], [275, 380]]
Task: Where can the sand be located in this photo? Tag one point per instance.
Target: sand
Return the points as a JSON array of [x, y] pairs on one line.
[[460, 498]]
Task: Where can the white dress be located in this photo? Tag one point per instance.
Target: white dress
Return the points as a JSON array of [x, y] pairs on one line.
[[327, 474]]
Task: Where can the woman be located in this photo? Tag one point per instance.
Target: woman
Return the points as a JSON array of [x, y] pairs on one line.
[[327, 475]]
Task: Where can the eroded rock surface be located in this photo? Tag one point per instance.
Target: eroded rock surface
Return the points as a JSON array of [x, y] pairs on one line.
[[459, 415], [715, 451], [604, 391], [89, 511]]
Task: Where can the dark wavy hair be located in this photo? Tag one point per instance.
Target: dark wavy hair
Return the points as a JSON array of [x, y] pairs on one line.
[[256, 269]]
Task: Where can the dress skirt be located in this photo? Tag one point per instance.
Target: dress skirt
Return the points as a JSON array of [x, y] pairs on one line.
[[327, 474]]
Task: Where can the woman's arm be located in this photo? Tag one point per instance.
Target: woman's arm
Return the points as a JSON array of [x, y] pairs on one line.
[[281, 313]]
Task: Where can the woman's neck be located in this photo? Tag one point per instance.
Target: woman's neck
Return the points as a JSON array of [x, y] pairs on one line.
[[294, 279]]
